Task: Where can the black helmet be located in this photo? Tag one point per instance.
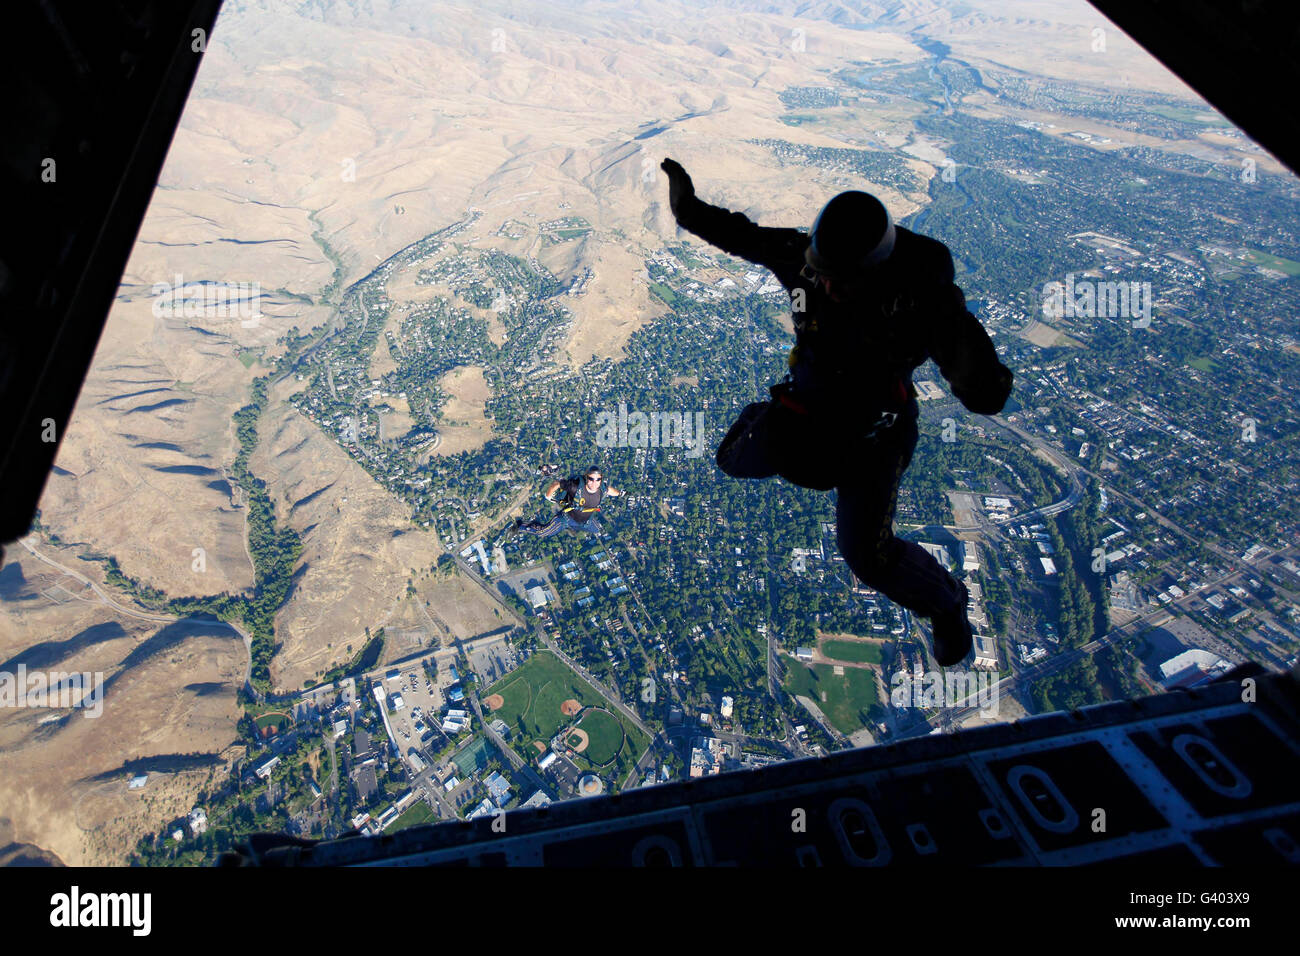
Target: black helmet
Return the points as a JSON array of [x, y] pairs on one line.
[[852, 232]]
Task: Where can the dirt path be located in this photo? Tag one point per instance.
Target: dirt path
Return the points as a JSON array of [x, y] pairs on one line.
[[484, 525], [139, 615]]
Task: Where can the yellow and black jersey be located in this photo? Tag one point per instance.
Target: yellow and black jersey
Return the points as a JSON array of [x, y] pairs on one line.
[[579, 503]]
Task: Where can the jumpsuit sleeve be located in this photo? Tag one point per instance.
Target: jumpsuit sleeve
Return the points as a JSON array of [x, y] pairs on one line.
[[779, 249], [962, 349]]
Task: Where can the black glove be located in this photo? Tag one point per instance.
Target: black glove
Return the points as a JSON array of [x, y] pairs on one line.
[[680, 187]]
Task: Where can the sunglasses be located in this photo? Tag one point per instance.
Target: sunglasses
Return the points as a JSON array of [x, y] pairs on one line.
[[593, 477]]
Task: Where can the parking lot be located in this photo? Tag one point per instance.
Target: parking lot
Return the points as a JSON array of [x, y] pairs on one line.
[[421, 710], [493, 659], [518, 582]]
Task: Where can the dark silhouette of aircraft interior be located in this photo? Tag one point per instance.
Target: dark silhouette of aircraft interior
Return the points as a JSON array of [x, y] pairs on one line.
[[1204, 776]]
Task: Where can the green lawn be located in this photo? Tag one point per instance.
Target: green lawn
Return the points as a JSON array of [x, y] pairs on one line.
[[854, 652], [604, 734], [1187, 114], [1255, 257], [417, 813], [547, 701], [665, 293], [273, 719], [848, 698], [533, 694]]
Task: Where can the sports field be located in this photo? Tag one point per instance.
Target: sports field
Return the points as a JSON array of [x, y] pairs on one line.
[[275, 721], [532, 695], [848, 699], [417, 813], [853, 652], [605, 734], [474, 757], [532, 699]]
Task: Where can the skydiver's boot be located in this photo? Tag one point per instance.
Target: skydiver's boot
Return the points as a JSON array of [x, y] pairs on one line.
[[953, 638], [919, 583]]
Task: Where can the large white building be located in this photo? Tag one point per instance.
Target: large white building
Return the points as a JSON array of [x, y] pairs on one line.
[[927, 391], [482, 557], [539, 799], [1191, 667], [939, 553], [537, 597], [707, 756], [498, 788]]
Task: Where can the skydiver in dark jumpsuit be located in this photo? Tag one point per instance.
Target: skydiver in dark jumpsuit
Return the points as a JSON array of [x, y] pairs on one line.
[[871, 301], [579, 499]]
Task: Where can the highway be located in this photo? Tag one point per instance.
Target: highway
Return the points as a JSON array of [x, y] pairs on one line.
[[1045, 668]]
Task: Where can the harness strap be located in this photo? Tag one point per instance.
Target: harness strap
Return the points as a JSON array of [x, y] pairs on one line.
[[901, 391], [784, 398]]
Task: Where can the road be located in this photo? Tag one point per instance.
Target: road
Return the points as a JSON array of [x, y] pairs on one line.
[[1070, 467], [518, 763], [1045, 668], [1074, 468]]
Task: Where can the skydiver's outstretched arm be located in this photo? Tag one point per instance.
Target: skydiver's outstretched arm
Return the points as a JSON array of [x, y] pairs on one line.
[[780, 250], [962, 349]]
